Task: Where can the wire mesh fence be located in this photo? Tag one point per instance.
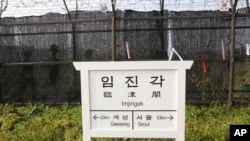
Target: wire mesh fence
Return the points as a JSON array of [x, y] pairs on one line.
[[60, 83], [47, 84], [200, 36], [208, 87]]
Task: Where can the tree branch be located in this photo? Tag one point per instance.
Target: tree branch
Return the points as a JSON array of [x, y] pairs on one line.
[[3, 7], [67, 9]]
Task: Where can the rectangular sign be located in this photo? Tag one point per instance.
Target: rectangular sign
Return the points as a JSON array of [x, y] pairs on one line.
[[136, 96], [133, 120], [133, 90], [142, 99]]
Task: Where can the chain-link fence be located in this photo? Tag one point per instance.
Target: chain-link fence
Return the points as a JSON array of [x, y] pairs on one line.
[[46, 83], [36, 55]]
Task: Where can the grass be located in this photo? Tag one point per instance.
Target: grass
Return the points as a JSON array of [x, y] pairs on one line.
[[40, 123], [212, 123], [63, 123]]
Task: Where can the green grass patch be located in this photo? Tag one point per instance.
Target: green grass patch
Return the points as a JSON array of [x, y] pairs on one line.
[[63, 123], [40, 123]]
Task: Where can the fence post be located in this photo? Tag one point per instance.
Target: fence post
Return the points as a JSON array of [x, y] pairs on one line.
[[162, 28], [113, 31], [232, 47]]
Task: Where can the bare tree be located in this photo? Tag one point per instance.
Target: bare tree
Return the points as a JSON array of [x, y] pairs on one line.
[[3, 6]]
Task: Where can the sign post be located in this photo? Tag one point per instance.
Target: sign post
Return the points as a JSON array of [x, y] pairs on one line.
[[136, 99]]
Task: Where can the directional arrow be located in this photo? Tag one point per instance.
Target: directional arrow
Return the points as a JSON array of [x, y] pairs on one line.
[[170, 117], [95, 117]]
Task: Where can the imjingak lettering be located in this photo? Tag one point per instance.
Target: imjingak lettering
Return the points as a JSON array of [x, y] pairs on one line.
[[130, 103]]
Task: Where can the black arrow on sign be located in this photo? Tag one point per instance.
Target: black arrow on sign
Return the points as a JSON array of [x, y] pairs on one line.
[[170, 117], [95, 117]]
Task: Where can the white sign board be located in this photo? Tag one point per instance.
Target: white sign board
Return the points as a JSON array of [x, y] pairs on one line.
[[137, 99]]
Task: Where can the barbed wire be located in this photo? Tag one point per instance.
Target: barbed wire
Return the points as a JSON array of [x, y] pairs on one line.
[[18, 8]]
